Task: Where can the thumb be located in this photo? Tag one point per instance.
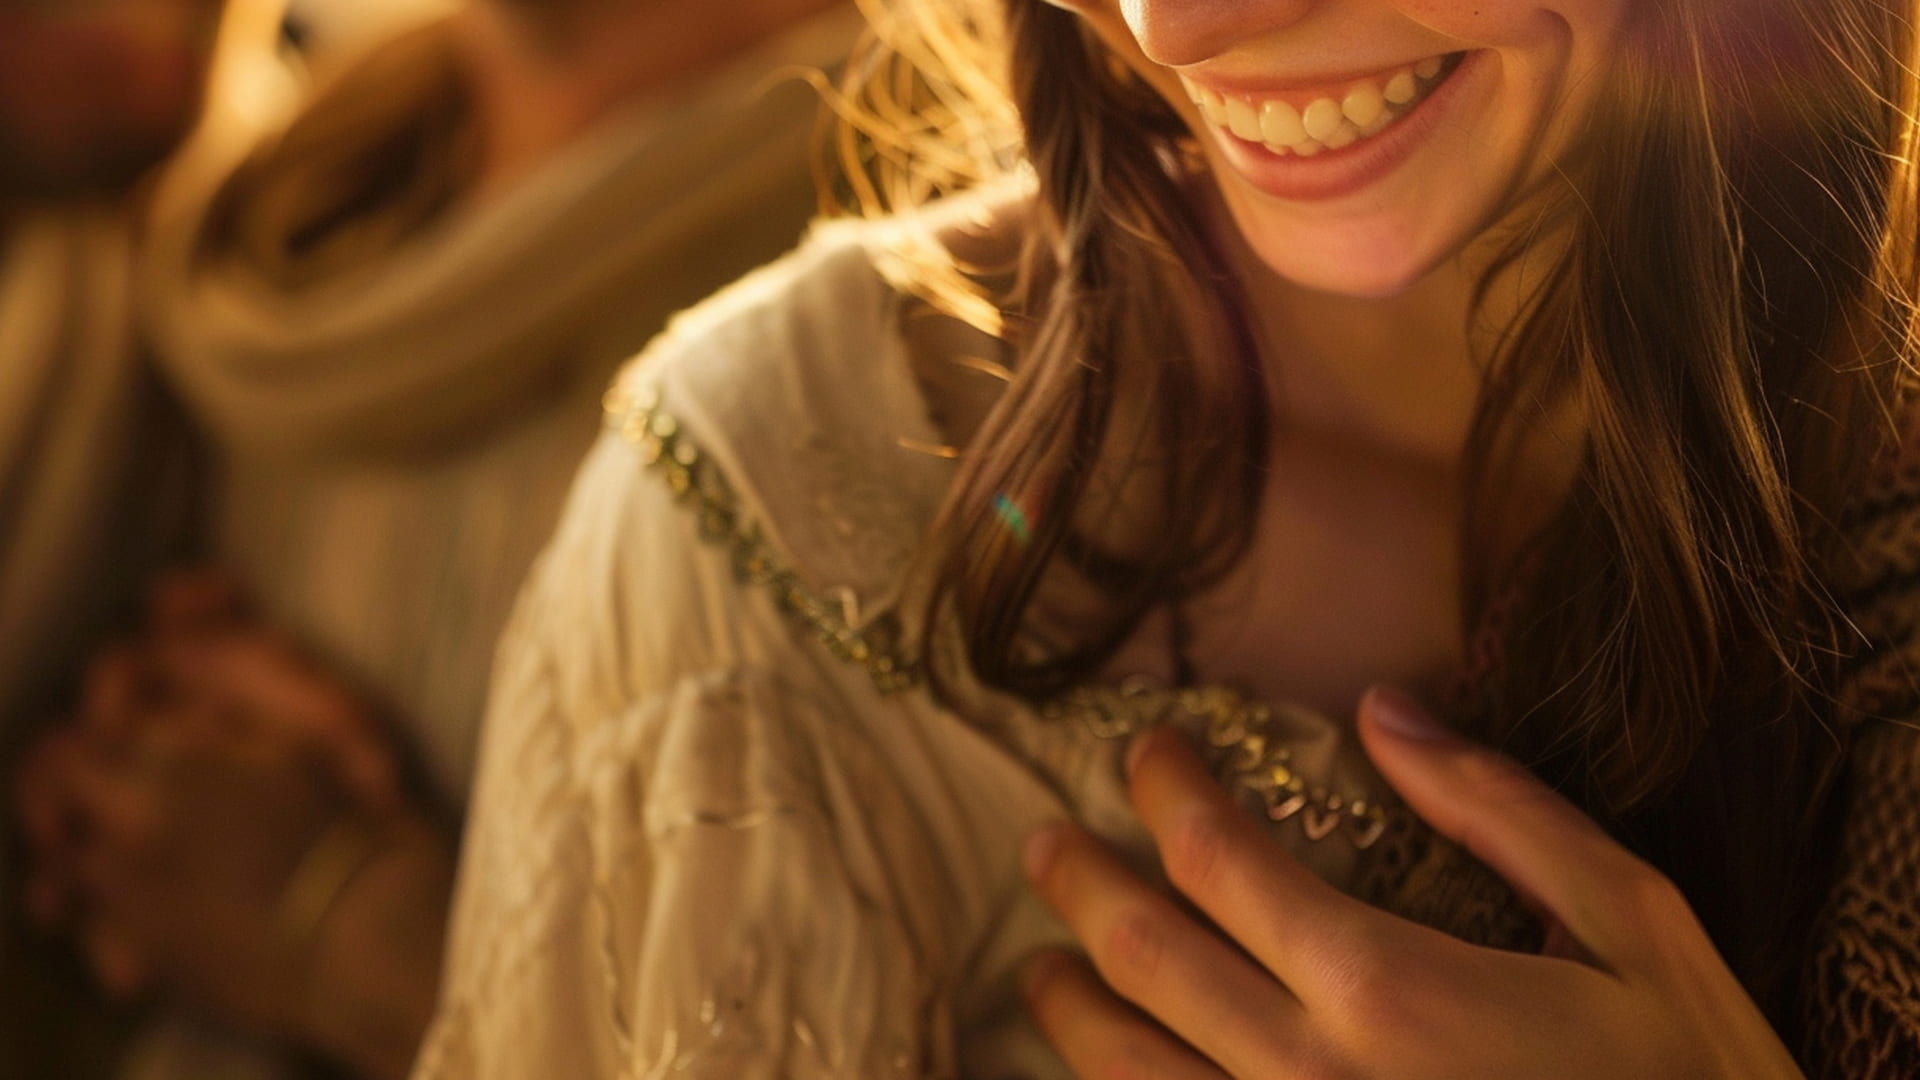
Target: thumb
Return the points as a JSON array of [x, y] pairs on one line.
[[1555, 856]]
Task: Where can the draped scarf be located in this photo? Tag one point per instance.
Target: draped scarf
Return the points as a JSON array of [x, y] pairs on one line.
[[339, 295]]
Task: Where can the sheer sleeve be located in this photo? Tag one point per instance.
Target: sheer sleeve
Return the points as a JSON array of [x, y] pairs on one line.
[[717, 888], [691, 853], [716, 832], [756, 918]]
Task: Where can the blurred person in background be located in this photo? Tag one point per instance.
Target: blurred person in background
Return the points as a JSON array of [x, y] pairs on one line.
[[93, 95], [391, 321]]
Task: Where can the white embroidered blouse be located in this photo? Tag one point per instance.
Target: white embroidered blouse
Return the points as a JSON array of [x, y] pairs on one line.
[[720, 829]]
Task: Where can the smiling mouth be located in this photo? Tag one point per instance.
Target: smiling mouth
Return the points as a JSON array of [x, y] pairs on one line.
[[1306, 125]]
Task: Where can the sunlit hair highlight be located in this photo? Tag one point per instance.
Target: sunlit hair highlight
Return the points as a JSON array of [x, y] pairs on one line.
[[1732, 314]]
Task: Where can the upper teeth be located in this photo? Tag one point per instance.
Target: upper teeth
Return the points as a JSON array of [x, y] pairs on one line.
[[1325, 123]]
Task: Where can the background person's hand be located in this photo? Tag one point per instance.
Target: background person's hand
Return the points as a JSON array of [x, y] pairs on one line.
[[224, 823], [204, 644], [180, 839], [1301, 981], [203, 654]]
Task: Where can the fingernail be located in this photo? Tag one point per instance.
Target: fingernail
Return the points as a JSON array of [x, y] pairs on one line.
[[1400, 715], [1042, 844]]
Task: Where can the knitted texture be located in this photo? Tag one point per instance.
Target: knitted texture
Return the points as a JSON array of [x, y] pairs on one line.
[[1861, 985], [1862, 1000], [1863, 979]]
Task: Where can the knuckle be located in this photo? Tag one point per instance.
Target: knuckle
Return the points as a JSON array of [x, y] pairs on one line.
[[1132, 949], [1372, 990], [1648, 894], [1194, 852], [1511, 793], [1362, 978]]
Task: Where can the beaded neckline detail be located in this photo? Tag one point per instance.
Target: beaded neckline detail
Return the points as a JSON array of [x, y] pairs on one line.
[[1239, 740], [696, 483], [1238, 734]]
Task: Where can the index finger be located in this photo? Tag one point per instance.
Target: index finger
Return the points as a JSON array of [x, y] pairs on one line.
[[1556, 858], [1300, 928]]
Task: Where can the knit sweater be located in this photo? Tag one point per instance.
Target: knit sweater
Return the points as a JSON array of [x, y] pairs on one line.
[[1862, 992]]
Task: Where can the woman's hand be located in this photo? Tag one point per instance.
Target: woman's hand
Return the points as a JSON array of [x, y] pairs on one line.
[[1301, 981]]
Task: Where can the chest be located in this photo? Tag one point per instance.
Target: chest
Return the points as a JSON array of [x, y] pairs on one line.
[[1353, 578]]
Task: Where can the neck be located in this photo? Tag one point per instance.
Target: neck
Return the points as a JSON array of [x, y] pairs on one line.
[[540, 81], [1402, 375]]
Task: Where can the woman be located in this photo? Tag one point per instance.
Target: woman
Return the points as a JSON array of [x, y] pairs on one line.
[[1542, 359]]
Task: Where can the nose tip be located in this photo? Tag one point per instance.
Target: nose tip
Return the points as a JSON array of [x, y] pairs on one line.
[[1176, 33]]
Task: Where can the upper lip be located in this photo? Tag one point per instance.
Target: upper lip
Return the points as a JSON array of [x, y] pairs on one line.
[[1268, 85]]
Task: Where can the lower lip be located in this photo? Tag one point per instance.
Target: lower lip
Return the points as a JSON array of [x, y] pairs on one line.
[[1333, 174]]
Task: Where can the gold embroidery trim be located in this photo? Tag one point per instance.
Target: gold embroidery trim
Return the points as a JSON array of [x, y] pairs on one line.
[[1238, 742], [1236, 731], [697, 484]]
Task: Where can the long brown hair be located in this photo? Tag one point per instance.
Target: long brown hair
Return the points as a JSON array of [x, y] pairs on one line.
[[1732, 315]]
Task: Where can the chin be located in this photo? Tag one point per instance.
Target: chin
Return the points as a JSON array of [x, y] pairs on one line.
[[1362, 264]]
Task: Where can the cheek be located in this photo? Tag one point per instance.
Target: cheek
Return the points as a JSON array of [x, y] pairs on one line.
[[1520, 23], [1488, 22]]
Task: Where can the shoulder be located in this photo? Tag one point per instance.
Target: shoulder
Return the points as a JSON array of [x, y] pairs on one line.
[[801, 391], [765, 474]]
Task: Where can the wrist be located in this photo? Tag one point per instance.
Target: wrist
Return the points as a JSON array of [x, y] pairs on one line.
[[374, 973], [319, 881]]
